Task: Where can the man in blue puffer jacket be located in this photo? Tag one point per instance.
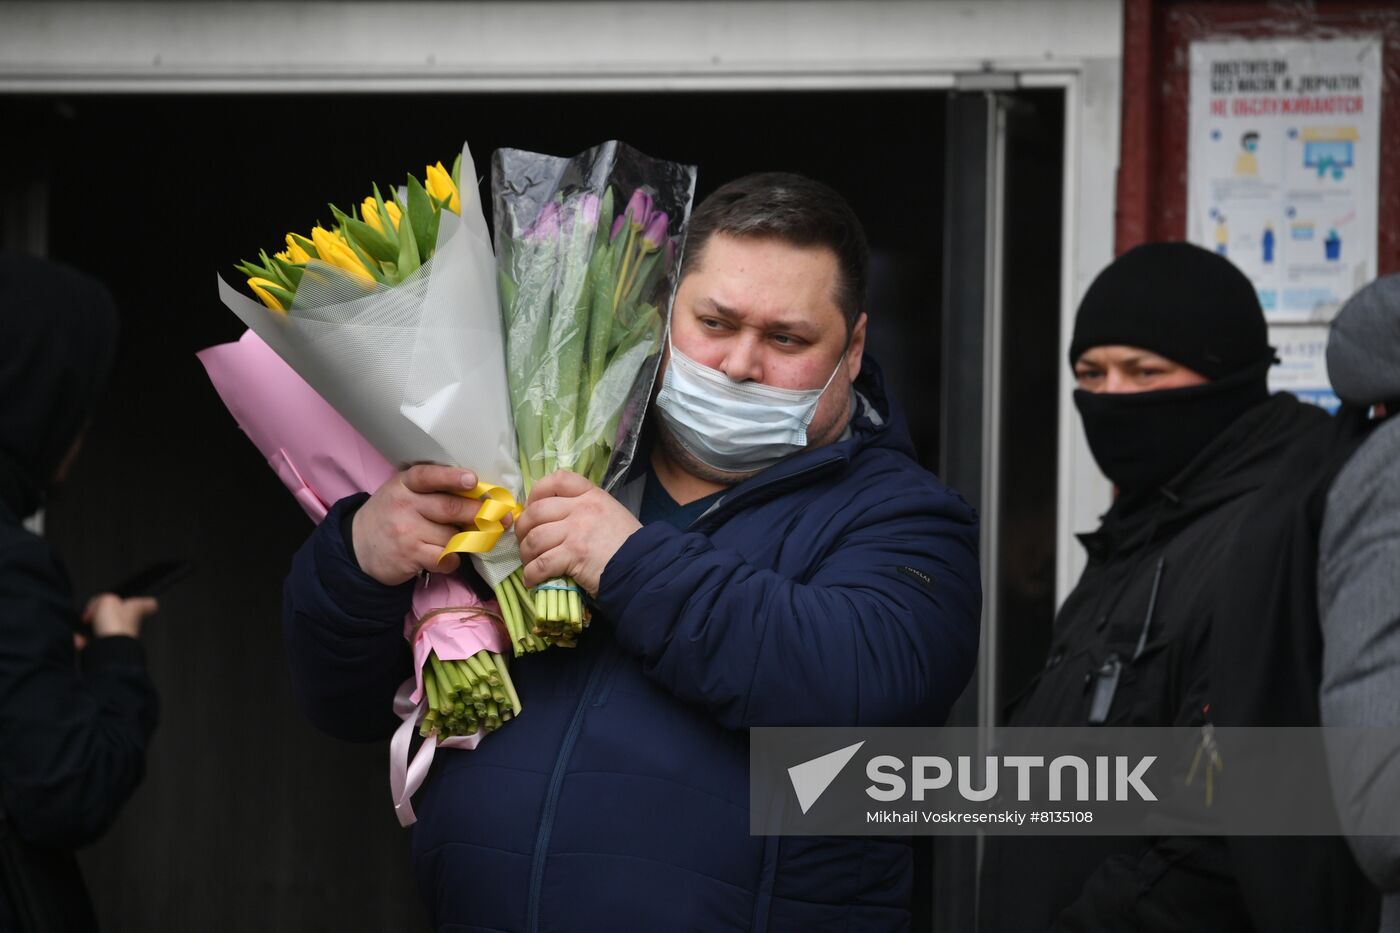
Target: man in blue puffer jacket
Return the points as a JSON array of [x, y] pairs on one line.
[[781, 560]]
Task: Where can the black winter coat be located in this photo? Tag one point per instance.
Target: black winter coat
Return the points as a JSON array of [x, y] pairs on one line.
[[72, 735], [73, 730], [1183, 542]]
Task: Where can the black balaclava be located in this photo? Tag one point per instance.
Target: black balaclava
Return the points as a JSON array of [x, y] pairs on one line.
[[58, 334], [1194, 308]]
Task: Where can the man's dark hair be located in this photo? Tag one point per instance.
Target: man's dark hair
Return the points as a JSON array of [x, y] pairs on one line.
[[796, 210]]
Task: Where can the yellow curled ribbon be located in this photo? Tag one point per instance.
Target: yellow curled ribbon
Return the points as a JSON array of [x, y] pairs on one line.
[[496, 504]]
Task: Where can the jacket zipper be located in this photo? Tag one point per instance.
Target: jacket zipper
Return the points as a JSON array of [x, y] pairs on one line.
[[566, 747], [551, 800]]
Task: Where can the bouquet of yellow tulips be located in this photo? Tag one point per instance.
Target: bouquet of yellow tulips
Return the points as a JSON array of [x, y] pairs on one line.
[[390, 314], [380, 243]]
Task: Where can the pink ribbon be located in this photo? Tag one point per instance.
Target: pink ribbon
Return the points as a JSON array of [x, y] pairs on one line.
[[405, 776], [454, 633]]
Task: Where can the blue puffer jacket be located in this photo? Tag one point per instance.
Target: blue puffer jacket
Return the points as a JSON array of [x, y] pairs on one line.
[[618, 801]]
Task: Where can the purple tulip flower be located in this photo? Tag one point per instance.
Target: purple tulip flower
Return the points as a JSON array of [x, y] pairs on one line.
[[639, 208], [546, 225], [655, 233], [590, 207]]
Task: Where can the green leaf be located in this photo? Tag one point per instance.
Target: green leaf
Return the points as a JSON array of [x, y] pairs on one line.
[[605, 217], [307, 245], [508, 290], [408, 262], [457, 172], [368, 239], [368, 262], [290, 272], [600, 287], [644, 278], [254, 271], [371, 241], [274, 273], [424, 218], [391, 235], [282, 295]]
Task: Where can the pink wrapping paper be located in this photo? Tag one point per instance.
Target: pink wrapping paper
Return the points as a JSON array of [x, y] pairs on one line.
[[321, 458], [453, 635], [316, 453]]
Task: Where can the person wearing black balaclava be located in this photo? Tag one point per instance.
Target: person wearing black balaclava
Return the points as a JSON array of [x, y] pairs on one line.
[[77, 708], [1170, 354]]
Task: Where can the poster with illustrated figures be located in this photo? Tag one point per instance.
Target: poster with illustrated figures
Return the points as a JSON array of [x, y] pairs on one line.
[[1283, 156]]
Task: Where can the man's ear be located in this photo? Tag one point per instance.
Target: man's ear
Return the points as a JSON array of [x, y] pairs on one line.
[[856, 351]]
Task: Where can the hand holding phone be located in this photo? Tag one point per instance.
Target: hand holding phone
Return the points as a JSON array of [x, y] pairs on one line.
[[120, 609], [108, 615]]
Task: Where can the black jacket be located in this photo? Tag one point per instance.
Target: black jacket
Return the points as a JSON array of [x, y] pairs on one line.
[[73, 731], [1269, 664], [1182, 541]]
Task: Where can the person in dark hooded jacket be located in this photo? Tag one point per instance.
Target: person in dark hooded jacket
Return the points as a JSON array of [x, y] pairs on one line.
[[1171, 355], [76, 706], [785, 561]]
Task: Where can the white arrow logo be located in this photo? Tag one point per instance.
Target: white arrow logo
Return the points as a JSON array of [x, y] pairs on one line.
[[811, 778]]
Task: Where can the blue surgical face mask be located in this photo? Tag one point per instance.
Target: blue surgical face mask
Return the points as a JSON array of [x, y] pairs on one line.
[[735, 427]]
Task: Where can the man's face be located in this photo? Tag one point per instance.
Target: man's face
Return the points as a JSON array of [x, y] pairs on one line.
[[765, 311], [1117, 369]]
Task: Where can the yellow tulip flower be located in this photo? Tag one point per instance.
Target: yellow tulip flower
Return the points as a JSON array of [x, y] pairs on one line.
[[260, 288], [370, 210], [295, 252], [440, 186], [335, 251]]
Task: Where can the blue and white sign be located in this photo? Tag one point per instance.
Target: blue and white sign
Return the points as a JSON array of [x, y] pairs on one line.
[[1284, 152]]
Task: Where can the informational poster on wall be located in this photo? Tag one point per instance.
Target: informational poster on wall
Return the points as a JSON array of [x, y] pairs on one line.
[[1302, 366], [1284, 151]]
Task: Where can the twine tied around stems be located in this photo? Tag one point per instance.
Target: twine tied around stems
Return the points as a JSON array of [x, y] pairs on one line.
[[468, 611]]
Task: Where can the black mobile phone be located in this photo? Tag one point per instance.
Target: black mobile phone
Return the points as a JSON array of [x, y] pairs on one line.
[[153, 580]]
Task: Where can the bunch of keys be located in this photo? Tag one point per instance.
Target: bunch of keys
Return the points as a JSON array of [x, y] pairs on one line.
[[1209, 749]]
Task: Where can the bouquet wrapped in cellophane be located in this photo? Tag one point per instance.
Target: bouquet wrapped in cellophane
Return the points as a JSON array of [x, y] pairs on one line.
[[586, 249], [392, 315]]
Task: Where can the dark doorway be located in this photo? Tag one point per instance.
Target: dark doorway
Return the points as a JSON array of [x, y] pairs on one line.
[[1031, 369]]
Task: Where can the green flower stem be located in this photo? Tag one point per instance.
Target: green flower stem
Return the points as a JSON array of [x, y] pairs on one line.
[[506, 683], [481, 672], [430, 685]]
